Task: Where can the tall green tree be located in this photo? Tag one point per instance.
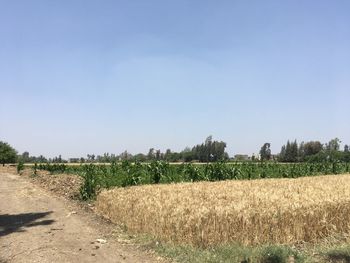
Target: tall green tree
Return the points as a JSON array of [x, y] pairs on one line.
[[187, 155], [346, 148], [151, 154], [158, 155], [265, 152], [288, 155], [210, 150], [282, 155], [7, 153], [312, 147], [167, 155], [289, 152], [333, 145], [294, 152], [301, 151]]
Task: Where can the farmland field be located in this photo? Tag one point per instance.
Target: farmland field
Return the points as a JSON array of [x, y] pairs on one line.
[[251, 212], [218, 212], [123, 174]]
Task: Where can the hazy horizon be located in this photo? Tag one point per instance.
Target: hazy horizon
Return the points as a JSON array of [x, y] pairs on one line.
[[84, 155], [83, 77]]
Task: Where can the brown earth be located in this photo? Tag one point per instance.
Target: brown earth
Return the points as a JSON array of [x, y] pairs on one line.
[[37, 225]]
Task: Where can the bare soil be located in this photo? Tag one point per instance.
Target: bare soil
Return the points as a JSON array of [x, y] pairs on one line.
[[37, 225]]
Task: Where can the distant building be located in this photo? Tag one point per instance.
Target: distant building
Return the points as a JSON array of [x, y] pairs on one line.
[[242, 157], [74, 160]]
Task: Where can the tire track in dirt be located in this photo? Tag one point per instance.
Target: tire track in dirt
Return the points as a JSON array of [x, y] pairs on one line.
[[36, 226]]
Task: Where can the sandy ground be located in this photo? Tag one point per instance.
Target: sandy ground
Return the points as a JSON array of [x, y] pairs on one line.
[[37, 226]]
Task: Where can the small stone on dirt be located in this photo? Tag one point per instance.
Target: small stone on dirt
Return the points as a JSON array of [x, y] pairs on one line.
[[101, 241], [71, 213]]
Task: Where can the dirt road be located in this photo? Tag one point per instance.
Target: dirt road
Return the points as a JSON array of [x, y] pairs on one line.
[[36, 226]]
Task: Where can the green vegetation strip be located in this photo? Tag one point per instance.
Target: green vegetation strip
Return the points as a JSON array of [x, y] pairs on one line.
[[97, 177]]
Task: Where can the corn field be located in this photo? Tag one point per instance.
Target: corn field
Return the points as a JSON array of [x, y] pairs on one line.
[[158, 172]]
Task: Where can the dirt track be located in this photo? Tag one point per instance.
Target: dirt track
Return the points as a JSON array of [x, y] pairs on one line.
[[36, 226]]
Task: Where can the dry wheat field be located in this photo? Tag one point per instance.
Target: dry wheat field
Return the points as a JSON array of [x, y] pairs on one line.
[[251, 212]]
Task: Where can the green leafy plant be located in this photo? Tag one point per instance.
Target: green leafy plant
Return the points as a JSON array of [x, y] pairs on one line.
[[192, 172], [129, 174], [35, 169], [279, 254], [89, 188], [157, 170], [20, 166]]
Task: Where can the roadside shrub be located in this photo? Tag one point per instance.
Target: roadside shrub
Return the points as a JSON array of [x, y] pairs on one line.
[[35, 169], [216, 171], [157, 170], [192, 172], [20, 166], [89, 189], [341, 254], [132, 173], [279, 254]]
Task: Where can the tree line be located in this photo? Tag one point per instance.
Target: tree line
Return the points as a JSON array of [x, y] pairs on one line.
[[208, 151], [311, 151]]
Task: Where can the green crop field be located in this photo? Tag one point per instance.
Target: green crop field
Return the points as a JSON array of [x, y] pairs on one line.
[[99, 176]]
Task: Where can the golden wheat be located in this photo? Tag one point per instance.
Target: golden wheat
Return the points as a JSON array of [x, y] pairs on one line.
[[249, 212]]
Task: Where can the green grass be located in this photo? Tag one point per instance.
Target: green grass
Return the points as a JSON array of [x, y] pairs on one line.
[[280, 254], [339, 254], [231, 253], [323, 252], [227, 253]]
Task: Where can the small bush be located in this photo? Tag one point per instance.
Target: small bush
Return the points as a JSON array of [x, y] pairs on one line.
[[279, 254], [35, 169], [192, 172], [20, 166], [158, 170], [339, 255], [89, 189]]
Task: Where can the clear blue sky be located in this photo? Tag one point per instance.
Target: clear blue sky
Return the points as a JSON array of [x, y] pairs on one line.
[[80, 77]]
